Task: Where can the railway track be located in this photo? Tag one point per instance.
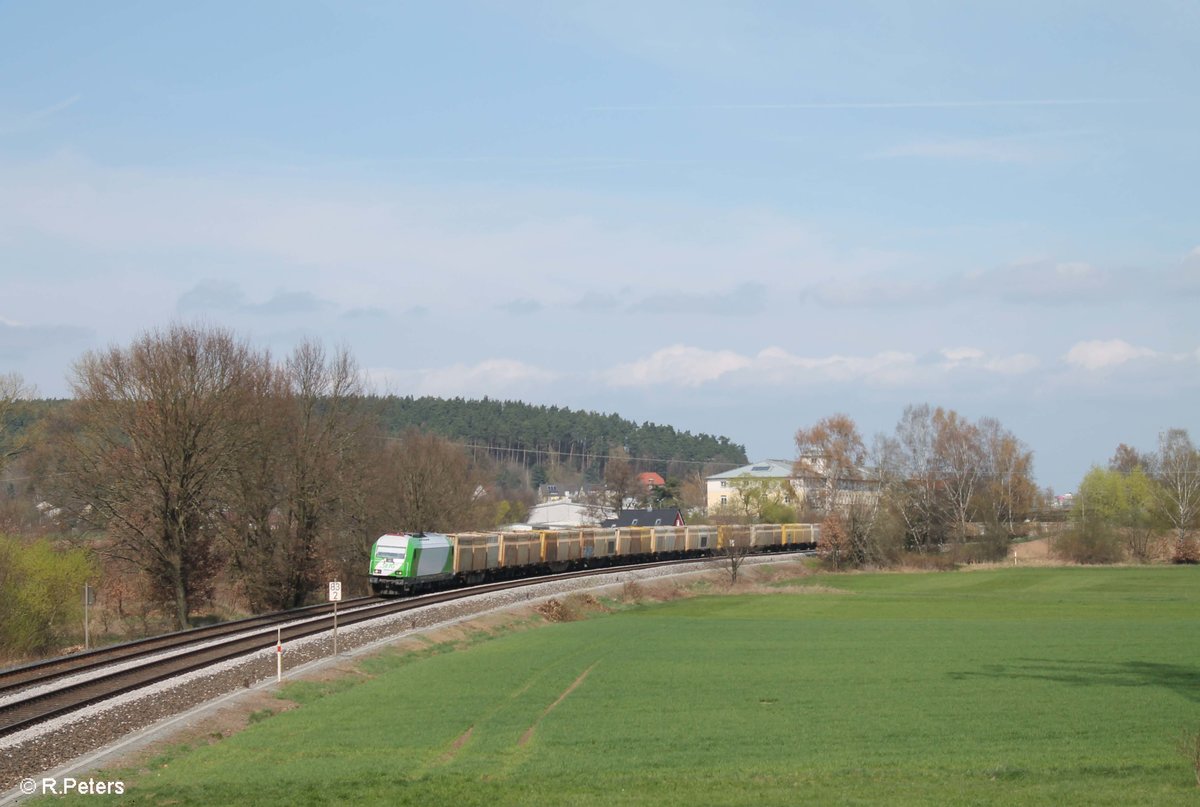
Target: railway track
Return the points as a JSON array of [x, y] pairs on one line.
[[26, 697], [13, 679]]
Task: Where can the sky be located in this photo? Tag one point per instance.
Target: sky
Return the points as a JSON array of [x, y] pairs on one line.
[[730, 217]]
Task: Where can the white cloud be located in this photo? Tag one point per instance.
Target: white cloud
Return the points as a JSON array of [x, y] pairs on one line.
[[960, 355], [487, 378], [1035, 281], [974, 358], [678, 364], [681, 365], [1097, 354]]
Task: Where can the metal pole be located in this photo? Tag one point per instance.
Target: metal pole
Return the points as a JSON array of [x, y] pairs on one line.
[[278, 655], [335, 649], [87, 595]]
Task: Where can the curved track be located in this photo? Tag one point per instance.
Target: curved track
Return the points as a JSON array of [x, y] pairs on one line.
[[219, 643]]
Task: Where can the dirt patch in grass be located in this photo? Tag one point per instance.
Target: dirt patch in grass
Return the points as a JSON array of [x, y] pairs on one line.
[[571, 608], [455, 747], [528, 735]]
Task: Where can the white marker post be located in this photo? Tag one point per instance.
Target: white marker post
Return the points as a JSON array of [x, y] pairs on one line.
[[335, 596], [278, 655], [89, 597]]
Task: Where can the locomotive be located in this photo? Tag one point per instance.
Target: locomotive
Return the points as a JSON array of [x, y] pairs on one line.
[[413, 563]]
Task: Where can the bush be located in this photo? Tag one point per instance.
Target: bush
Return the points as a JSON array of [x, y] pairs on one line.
[[929, 561], [1089, 543], [41, 596], [1186, 551], [991, 546]]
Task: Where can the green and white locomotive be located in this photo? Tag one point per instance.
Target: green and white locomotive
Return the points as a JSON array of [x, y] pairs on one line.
[[406, 564]]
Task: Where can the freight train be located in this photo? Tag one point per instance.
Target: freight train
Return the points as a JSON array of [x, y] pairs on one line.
[[413, 563]]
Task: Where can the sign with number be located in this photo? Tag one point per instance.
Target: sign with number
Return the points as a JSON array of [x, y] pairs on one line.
[[335, 592]]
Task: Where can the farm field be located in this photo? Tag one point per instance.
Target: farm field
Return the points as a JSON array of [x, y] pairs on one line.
[[1010, 686]]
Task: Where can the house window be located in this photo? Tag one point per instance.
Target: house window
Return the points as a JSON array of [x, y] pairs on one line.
[[724, 483], [724, 500]]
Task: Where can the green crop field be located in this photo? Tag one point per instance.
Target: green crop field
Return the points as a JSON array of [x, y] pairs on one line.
[[1022, 686]]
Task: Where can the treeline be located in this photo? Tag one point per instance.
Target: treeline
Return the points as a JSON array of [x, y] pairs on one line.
[[190, 464], [939, 486], [1141, 499], [944, 489], [539, 436]]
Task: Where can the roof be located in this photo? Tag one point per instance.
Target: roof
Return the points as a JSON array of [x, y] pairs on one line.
[[764, 469], [663, 517]]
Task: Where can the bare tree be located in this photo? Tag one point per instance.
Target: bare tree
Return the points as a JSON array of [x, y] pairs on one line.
[[1126, 458], [620, 479], [914, 480], [158, 431], [693, 491], [960, 456], [302, 456], [831, 453], [735, 555], [1008, 488], [432, 484], [1177, 471], [12, 391]]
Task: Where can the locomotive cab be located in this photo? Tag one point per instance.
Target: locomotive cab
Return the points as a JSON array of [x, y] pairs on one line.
[[409, 563]]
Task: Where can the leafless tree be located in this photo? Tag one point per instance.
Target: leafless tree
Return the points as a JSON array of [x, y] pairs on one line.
[[620, 479], [302, 459], [12, 391], [158, 433], [832, 454], [1126, 458], [1177, 471], [736, 552], [1008, 488], [432, 484], [960, 456], [914, 480], [693, 491]]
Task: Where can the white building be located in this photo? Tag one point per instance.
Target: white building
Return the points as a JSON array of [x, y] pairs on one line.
[[806, 490], [561, 515], [722, 491]]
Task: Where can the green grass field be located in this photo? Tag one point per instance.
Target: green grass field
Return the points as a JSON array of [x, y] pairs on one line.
[[1022, 686]]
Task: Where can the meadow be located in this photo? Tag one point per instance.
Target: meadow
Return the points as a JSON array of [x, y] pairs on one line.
[[1007, 686]]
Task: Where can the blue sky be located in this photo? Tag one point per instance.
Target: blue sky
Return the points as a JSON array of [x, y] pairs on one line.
[[730, 217]]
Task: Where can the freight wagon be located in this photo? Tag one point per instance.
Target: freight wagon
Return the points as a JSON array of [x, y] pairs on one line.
[[411, 563]]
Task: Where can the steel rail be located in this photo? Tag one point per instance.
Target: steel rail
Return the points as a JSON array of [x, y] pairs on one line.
[[24, 676]]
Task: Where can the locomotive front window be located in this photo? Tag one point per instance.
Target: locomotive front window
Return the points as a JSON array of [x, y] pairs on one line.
[[391, 555]]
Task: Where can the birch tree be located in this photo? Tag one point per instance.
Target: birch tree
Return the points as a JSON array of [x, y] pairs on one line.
[[1177, 471]]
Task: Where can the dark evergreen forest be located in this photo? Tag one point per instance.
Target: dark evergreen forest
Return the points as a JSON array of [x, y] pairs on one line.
[[512, 431]]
